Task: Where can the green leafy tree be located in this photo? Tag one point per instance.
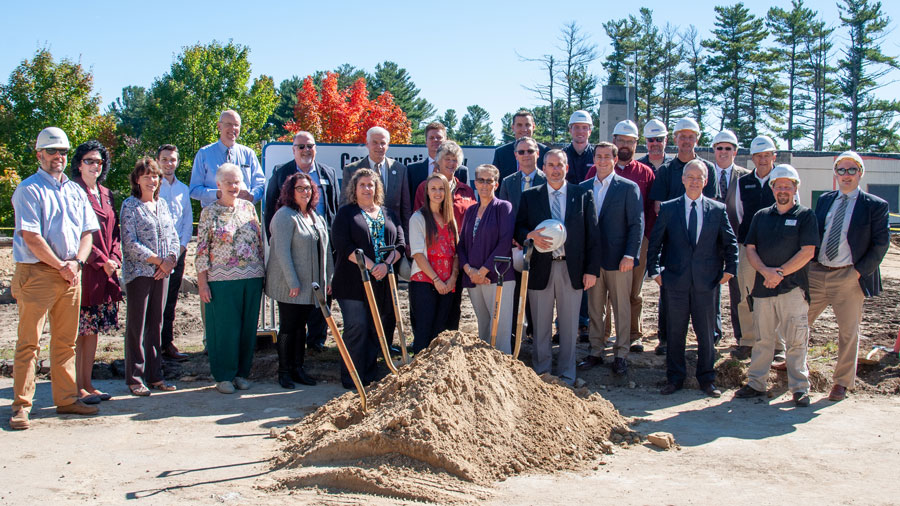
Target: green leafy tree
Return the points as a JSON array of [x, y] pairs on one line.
[[475, 127], [649, 64], [130, 111], [506, 133], [673, 98], [625, 36], [694, 80], [550, 128], [451, 122], [391, 77], [284, 111]]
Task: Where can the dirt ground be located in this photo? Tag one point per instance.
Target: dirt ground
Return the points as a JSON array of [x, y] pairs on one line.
[[199, 446]]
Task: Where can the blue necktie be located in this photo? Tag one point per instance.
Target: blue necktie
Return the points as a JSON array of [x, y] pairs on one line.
[[692, 223]]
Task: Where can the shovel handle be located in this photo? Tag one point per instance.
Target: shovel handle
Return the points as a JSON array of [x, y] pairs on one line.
[[342, 347]]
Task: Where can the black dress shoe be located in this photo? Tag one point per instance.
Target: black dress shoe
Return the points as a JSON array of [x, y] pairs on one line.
[[660, 349], [711, 390], [555, 338], [670, 389], [284, 379], [620, 366], [300, 376], [742, 352], [589, 362], [747, 391], [315, 347], [395, 351], [636, 348]]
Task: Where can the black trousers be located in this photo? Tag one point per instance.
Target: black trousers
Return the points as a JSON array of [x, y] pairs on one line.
[[168, 336], [432, 312], [293, 321], [696, 307]]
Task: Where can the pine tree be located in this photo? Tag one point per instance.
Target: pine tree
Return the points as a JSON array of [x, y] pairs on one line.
[[475, 127], [791, 30]]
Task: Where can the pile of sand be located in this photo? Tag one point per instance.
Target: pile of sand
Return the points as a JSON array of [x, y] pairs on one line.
[[461, 416]]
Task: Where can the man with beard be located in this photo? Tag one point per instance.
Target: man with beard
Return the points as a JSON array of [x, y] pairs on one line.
[[780, 243], [504, 156], [656, 135], [579, 152]]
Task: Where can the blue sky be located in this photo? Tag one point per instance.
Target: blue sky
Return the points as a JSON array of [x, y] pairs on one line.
[[459, 53]]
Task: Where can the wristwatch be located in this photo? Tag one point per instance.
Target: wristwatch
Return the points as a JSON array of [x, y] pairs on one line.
[[80, 264]]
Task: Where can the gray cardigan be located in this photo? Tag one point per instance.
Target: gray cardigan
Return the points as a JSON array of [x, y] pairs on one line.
[[297, 257]]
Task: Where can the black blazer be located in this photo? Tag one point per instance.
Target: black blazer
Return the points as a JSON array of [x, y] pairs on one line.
[[869, 236], [329, 195], [620, 222], [505, 159], [417, 173], [349, 232], [581, 241], [511, 187], [687, 265]]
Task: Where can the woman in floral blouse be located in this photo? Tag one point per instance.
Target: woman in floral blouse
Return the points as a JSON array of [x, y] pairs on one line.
[[230, 271], [432, 241], [150, 250]]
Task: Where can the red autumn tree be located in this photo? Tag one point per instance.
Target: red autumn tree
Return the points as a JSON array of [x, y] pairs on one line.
[[344, 116]]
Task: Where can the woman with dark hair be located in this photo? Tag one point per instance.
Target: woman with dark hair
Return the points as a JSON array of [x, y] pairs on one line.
[[432, 242], [298, 256], [150, 250], [364, 223], [100, 289]]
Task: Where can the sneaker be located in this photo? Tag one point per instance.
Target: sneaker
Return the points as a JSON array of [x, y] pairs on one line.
[[801, 399], [225, 387], [741, 352], [241, 383], [19, 420], [77, 408], [747, 391]]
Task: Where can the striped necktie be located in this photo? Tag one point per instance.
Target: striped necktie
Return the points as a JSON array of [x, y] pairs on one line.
[[556, 209], [833, 243], [723, 186]]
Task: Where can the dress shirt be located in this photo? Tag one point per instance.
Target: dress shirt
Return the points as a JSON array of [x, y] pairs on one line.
[[177, 196], [844, 256], [207, 162], [726, 176], [687, 213], [314, 175], [57, 210], [381, 169], [530, 180], [561, 251], [601, 186]]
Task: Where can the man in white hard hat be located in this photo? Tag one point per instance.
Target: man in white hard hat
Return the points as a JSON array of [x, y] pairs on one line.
[[52, 240], [226, 149], [580, 152], [781, 241], [725, 147], [656, 137], [854, 235], [504, 156], [667, 185], [558, 277]]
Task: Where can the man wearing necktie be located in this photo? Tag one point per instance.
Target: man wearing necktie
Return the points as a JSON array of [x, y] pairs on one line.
[[699, 253], [853, 229], [504, 156], [226, 150]]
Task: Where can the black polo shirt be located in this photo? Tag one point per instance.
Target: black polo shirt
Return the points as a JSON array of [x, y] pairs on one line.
[[578, 164], [778, 237], [668, 184]]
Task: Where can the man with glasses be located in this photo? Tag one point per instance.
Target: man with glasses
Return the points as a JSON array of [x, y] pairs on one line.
[[504, 156], [325, 179], [579, 152], [226, 149], [435, 134], [854, 235], [52, 240], [656, 135]]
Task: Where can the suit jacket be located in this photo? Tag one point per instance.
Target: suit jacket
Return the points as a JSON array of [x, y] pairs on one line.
[[505, 158], [418, 173], [396, 195], [329, 195], [690, 266], [581, 227], [620, 222], [511, 187], [730, 199], [869, 236]]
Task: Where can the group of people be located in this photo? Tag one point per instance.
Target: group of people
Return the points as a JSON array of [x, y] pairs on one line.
[[689, 224]]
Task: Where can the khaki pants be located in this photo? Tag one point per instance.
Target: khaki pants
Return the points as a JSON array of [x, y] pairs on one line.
[[39, 289], [636, 300], [612, 287], [841, 290], [785, 315], [746, 276]]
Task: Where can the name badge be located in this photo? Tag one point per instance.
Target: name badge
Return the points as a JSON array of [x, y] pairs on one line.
[[324, 182], [790, 223], [245, 165]]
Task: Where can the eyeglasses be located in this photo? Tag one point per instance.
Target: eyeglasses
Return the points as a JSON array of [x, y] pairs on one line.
[[484, 181], [723, 148], [92, 161], [53, 151], [851, 171], [304, 189], [526, 151], [656, 139], [304, 146]]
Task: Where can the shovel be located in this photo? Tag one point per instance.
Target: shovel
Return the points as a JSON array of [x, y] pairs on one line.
[[373, 307], [345, 355], [395, 298], [523, 297], [506, 262]]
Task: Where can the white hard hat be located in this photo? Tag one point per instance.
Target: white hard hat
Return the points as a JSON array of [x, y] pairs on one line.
[[51, 137], [655, 128], [850, 155], [761, 144], [580, 117], [626, 128], [687, 124], [725, 136], [784, 171], [553, 230]]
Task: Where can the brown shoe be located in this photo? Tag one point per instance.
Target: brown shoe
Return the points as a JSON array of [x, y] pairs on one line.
[[171, 352], [838, 393], [19, 420], [589, 362], [77, 408]]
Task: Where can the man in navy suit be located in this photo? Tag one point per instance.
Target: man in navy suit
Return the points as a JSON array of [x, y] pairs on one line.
[[620, 227], [700, 252], [528, 175], [504, 156], [854, 235], [435, 134], [559, 276]]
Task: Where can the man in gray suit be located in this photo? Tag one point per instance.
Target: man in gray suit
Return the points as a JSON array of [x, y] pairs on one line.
[[393, 174], [528, 175]]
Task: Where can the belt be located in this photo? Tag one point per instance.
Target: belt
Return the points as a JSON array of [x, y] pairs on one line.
[[827, 268], [559, 259]]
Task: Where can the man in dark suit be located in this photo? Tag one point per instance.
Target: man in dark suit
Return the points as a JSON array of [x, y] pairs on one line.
[[528, 175], [325, 179], [504, 156], [435, 134], [854, 235], [394, 175], [620, 227], [699, 253], [559, 276]]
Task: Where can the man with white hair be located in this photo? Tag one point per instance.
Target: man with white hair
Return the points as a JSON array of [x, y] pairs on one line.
[[393, 174], [854, 235], [656, 136], [226, 150], [780, 243], [580, 152]]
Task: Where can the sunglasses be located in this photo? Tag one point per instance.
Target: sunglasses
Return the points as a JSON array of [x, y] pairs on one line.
[[724, 148], [526, 151], [304, 146], [53, 151], [655, 139], [851, 171], [92, 161]]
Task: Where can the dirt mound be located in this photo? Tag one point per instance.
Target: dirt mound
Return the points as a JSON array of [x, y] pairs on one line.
[[461, 416]]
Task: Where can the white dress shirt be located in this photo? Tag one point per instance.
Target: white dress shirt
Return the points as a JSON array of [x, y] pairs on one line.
[[844, 256], [561, 251], [601, 186], [687, 214], [177, 197]]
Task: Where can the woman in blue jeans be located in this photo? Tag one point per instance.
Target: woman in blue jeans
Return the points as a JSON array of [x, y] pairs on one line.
[[364, 223]]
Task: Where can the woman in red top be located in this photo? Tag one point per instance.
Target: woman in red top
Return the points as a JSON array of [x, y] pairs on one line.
[[100, 289], [432, 237]]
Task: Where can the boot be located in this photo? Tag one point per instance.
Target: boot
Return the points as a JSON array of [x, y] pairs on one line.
[[284, 362]]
